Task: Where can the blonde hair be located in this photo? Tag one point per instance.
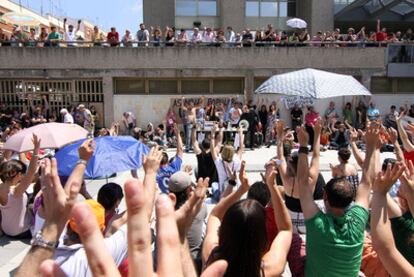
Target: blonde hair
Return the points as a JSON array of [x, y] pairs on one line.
[[227, 153]]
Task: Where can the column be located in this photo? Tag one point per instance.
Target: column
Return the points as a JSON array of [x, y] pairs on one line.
[[108, 92]]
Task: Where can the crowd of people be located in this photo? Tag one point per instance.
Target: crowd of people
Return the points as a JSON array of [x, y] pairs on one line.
[[207, 36], [223, 223]]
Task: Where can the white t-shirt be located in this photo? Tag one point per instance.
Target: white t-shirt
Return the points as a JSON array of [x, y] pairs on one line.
[[71, 36], [68, 118], [196, 37], [222, 173], [73, 261]]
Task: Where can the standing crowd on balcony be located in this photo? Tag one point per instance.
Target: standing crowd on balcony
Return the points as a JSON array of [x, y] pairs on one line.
[[170, 36]]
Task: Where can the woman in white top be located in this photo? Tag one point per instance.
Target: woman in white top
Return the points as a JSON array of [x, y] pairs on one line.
[[16, 217], [227, 164]]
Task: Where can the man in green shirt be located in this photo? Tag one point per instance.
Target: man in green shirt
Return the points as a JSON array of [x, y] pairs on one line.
[[403, 232], [334, 240], [54, 37]]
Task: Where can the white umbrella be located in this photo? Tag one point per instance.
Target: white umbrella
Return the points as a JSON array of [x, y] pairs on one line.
[[297, 23], [312, 83], [52, 136]]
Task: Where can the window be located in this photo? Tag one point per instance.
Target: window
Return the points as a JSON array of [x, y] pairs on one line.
[[163, 86], [195, 86], [270, 8], [196, 7], [381, 85], [130, 86], [226, 86]]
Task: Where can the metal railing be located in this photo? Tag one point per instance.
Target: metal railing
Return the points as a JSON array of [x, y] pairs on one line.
[[238, 44]]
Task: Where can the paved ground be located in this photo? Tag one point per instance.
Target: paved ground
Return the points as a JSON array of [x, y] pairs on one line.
[[12, 252]]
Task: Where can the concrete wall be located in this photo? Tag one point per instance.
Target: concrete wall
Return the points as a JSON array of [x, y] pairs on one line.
[[319, 14], [153, 108], [205, 62], [275, 58], [232, 13], [159, 13]]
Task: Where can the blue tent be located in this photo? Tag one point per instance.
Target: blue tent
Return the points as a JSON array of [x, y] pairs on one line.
[[111, 155]]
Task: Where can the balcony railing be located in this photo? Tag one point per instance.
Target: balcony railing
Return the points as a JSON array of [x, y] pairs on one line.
[[239, 44]]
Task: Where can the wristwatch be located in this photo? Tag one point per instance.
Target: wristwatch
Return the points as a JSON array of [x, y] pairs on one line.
[[38, 240], [82, 162]]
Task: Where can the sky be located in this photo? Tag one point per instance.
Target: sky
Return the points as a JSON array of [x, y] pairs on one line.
[[122, 14]]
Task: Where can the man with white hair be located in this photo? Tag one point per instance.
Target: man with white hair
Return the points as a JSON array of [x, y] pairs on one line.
[[67, 117], [88, 123]]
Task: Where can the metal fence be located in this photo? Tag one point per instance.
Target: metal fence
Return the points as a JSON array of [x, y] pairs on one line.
[[238, 44], [17, 93]]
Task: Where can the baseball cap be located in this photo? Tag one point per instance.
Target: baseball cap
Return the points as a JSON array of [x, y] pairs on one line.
[[179, 181], [99, 212]]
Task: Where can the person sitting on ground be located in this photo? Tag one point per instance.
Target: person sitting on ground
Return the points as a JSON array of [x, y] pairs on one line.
[[344, 169], [289, 172], [110, 196], [227, 164], [167, 167], [340, 136], [338, 233], [205, 163], [390, 120], [330, 113], [180, 188], [246, 252], [16, 218]]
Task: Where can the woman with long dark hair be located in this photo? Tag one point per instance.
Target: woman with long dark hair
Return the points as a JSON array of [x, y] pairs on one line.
[[236, 232]]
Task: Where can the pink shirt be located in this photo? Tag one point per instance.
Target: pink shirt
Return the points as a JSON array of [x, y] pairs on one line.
[[15, 217], [310, 118]]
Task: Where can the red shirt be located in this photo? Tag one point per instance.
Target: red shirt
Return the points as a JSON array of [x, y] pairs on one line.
[[409, 156], [113, 37], [271, 228], [381, 36]]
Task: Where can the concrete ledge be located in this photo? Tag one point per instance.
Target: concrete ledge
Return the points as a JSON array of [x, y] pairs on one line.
[[192, 58]]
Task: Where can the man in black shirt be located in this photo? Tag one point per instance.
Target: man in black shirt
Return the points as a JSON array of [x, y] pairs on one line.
[[297, 118], [205, 163]]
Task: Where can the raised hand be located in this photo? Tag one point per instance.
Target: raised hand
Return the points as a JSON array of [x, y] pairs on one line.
[[36, 143], [280, 127], [317, 127], [353, 134], [392, 133], [152, 161], [86, 149], [58, 203], [244, 180], [384, 181], [372, 135], [407, 179], [187, 212], [302, 135]]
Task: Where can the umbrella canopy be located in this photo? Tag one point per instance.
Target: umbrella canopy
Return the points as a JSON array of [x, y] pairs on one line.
[[297, 23], [111, 155], [20, 19], [312, 83], [52, 136]]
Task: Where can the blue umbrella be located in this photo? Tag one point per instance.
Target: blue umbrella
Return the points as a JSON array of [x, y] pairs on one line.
[[111, 155]]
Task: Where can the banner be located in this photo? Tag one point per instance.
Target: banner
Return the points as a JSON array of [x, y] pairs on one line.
[[208, 101], [301, 101]]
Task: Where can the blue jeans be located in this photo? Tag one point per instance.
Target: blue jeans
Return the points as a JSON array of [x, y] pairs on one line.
[[187, 130]]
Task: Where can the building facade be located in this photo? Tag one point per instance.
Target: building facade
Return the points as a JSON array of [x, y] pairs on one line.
[[240, 14]]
